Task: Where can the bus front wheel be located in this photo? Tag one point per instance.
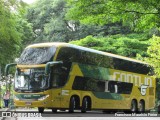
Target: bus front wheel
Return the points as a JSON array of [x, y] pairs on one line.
[[72, 105], [134, 106], [40, 109]]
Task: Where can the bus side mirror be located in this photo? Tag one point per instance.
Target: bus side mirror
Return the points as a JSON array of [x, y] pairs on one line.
[[50, 64], [8, 66]]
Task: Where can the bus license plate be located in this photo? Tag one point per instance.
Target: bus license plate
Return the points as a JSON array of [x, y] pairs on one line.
[[28, 103]]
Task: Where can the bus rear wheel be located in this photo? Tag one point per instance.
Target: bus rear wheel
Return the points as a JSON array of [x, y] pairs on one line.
[[141, 106], [40, 109], [134, 106], [85, 105], [72, 105], [159, 109]]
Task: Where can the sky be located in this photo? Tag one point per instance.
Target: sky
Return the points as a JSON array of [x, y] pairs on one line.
[[29, 1]]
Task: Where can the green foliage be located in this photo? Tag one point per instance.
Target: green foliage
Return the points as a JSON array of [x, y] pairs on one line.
[[25, 29], [154, 60], [140, 15], [47, 18], [154, 54], [127, 45], [9, 37], [49, 24], [11, 34]]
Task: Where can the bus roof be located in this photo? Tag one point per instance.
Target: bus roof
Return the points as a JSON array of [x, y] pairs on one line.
[[60, 44]]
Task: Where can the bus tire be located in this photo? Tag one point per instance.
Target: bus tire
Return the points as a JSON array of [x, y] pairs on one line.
[[54, 110], [40, 109], [158, 109], [134, 106], [85, 104], [72, 105], [141, 106]]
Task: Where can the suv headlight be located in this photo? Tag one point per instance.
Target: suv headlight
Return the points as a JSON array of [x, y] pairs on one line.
[[43, 98]]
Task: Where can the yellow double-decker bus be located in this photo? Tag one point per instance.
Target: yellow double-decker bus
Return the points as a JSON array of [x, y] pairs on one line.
[[69, 77]]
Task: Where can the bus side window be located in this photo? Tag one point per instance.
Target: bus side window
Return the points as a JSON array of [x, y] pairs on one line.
[[120, 88], [58, 76], [79, 83], [106, 87], [100, 86], [113, 86]]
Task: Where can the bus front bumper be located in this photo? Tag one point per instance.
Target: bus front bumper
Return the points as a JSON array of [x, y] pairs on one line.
[[36, 103]]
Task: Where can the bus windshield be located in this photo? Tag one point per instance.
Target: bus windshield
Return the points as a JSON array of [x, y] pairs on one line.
[[31, 80], [38, 55]]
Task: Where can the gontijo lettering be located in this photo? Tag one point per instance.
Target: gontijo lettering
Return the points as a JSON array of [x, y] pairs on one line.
[[132, 78]]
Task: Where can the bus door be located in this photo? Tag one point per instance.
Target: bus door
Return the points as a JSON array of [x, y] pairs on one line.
[[56, 91], [59, 78]]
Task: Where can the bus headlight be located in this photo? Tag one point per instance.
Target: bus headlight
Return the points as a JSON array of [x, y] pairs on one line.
[[16, 98], [44, 97]]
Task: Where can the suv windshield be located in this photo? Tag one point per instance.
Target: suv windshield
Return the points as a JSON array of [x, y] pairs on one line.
[[38, 55], [31, 79]]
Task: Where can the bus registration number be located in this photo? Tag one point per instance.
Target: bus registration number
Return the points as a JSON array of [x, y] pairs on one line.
[[28, 103]]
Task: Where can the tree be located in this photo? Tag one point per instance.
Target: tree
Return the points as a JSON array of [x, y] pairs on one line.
[[154, 55], [47, 18], [154, 60], [126, 45], [136, 13], [10, 31], [26, 31], [9, 38], [49, 23]]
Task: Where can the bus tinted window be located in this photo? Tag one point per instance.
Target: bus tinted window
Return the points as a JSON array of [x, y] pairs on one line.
[[58, 77], [95, 59], [69, 55], [120, 87], [130, 66], [88, 84]]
